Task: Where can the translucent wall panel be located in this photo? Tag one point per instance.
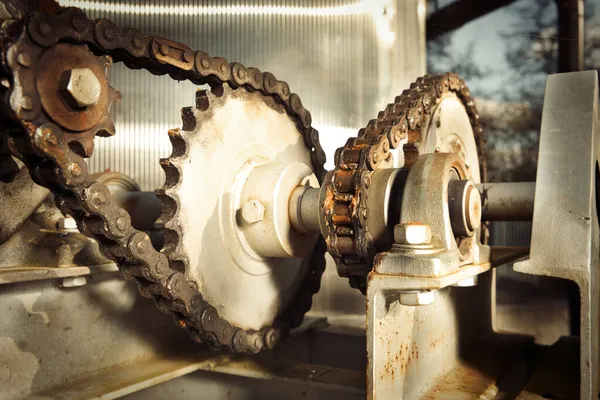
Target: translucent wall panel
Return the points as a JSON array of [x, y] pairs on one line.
[[345, 59]]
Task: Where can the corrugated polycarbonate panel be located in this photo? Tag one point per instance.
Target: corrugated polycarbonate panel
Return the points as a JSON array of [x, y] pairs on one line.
[[337, 55]]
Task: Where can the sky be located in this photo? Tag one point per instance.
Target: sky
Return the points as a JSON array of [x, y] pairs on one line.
[[489, 47]]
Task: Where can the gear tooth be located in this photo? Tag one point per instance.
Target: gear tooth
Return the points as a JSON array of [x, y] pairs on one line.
[[172, 173], [173, 246], [172, 191], [106, 129], [171, 224], [178, 143], [202, 102], [188, 118], [115, 95], [83, 147]]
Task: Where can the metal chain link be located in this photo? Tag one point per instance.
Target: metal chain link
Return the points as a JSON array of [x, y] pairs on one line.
[[348, 184], [56, 163]]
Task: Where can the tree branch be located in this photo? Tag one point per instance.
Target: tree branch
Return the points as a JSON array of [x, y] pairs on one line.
[[460, 13]]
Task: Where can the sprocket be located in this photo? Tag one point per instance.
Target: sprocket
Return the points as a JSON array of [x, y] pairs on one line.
[[221, 160], [436, 113]]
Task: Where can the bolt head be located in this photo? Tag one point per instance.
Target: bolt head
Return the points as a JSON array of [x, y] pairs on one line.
[[253, 211], [417, 298], [66, 223], [467, 282], [72, 282], [81, 88], [412, 234]]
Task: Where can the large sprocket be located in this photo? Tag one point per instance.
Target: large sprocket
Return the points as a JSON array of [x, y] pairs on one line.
[[227, 135]]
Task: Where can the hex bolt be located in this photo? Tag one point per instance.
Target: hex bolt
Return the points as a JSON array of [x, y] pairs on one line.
[[75, 281], [66, 224], [253, 211], [417, 298], [412, 234], [80, 88], [24, 59], [27, 103]]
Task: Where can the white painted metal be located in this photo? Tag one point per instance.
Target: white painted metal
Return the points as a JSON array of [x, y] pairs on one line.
[[243, 149], [450, 131]]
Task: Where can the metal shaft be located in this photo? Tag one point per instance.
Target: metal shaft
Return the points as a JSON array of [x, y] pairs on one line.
[[507, 201], [304, 209]]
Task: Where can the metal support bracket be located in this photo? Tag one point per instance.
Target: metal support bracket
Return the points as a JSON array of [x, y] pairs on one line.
[[410, 349], [565, 236]]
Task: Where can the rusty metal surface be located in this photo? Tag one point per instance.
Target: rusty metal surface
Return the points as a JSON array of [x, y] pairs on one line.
[[411, 348], [565, 235], [40, 246], [58, 61], [58, 164], [19, 198], [496, 368], [349, 184]]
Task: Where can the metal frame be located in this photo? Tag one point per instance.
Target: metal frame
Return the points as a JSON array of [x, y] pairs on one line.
[[411, 349], [565, 237]]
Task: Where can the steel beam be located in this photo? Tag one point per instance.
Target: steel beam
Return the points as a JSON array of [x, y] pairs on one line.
[[571, 35], [565, 234], [459, 13]]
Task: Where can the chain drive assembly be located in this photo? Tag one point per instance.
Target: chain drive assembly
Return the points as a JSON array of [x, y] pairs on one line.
[[405, 121], [53, 143]]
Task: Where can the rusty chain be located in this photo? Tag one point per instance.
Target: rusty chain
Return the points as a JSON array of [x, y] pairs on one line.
[[348, 184], [55, 157]]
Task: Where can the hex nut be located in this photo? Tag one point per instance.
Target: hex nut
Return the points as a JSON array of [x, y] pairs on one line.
[[74, 281], [412, 234], [80, 88], [467, 282], [422, 298], [253, 211]]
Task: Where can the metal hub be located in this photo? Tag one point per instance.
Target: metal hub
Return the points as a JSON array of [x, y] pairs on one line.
[[239, 160]]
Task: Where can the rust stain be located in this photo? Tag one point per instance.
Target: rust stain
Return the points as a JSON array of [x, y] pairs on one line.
[[436, 340], [398, 362]]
